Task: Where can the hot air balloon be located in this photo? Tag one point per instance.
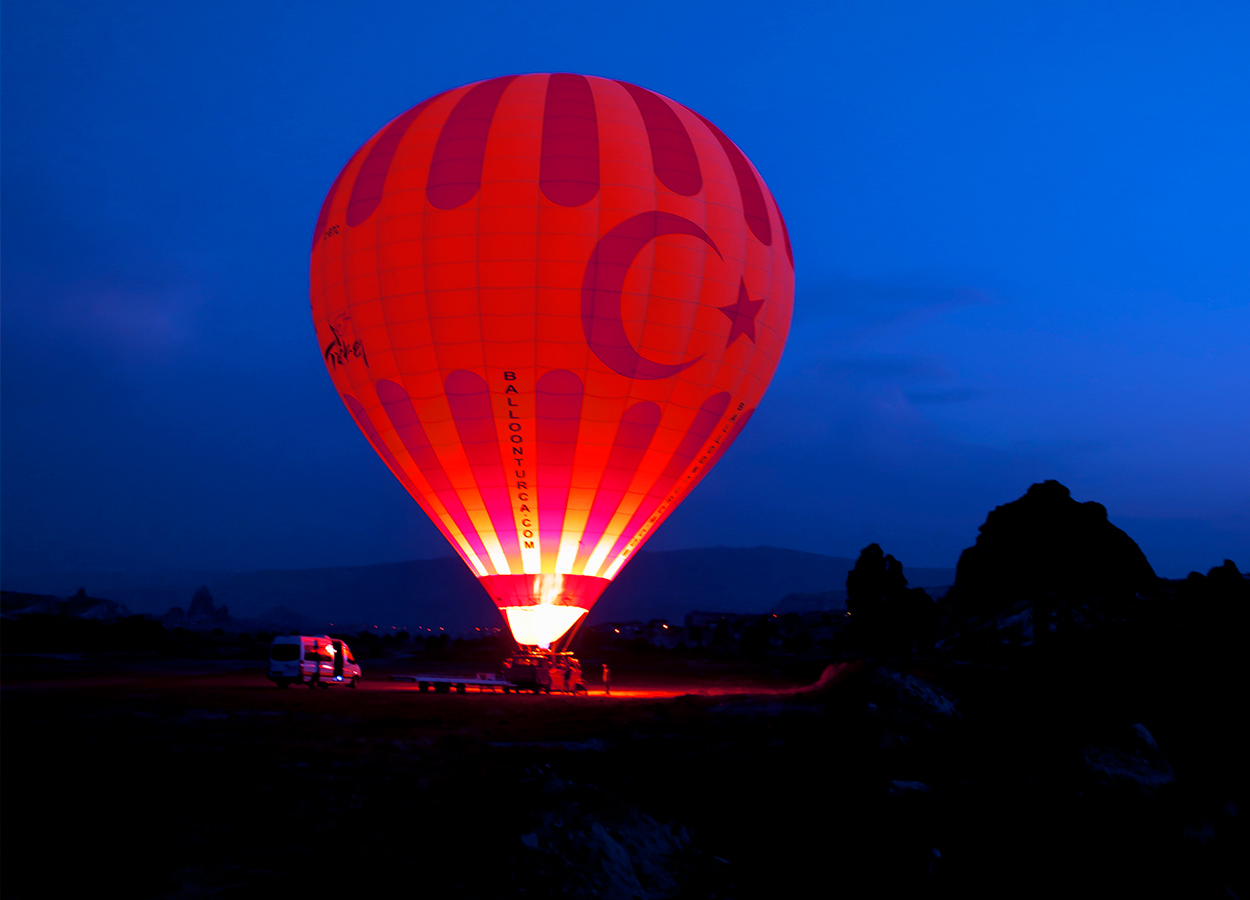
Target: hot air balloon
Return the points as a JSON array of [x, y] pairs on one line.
[[550, 302]]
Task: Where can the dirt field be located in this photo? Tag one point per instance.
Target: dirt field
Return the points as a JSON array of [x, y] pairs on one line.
[[195, 780], [203, 780]]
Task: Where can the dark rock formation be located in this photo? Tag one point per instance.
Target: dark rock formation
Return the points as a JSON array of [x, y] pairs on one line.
[[587, 843], [876, 577], [1222, 587], [79, 606], [887, 616], [15, 603], [204, 613], [1215, 606], [1049, 551], [1134, 761]]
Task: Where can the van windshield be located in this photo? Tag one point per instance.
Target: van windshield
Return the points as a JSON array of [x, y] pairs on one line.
[[284, 652]]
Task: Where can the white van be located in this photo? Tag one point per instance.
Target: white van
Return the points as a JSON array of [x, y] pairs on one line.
[[311, 660]]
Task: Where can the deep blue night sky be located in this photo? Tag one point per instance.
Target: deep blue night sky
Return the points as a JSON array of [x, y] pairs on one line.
[[1021, 231]]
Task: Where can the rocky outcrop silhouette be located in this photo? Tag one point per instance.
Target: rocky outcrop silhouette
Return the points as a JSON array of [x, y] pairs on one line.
[[877, 576], [80, 623], [203, 613], [584, 842], [1047, 552], [887, 616], [1215, 606], [78, 606], [1222, 590]]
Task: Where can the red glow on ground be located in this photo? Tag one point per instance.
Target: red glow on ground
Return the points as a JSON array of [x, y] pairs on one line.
[[596, 692]]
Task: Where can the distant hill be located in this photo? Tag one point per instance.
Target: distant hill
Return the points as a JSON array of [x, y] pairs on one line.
[[670, 584], [433, 593], [78, 606], [935, 581]]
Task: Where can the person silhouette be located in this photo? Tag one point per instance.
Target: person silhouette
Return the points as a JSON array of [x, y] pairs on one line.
[[607, 680]]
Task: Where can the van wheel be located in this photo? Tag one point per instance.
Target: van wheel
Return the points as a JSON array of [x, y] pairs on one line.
[[355, 681], [282, 683], [325, 685]]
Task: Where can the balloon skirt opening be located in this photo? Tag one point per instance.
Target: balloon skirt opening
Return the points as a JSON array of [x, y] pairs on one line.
[[541, 625], [541, 608]]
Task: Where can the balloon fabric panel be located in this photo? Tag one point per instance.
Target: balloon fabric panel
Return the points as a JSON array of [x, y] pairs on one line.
[[469, 398], [456, 170], [407, 426], [676, 163], [709, 414], [753, 208], [371, 180], [570, 152], [558, 414], [325, 210], [633, 436], [550, 303]]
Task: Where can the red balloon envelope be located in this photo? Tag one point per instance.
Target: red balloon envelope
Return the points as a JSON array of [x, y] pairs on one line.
[[550, 302]]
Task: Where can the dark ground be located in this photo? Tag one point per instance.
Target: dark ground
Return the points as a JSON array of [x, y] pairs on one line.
[[139, 777]]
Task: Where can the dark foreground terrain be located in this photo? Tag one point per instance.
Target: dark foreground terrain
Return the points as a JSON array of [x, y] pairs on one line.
[[1063, 723], [141, 779]]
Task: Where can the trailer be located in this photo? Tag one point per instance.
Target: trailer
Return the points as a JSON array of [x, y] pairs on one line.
[[539, 671], [445, 684]]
